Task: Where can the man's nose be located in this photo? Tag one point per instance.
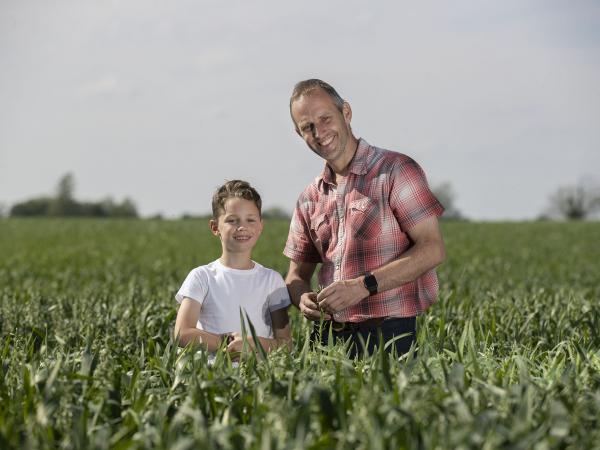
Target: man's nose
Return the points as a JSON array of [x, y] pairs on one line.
[[316, 131]]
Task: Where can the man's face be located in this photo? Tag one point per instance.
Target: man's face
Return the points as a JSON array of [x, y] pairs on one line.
[[323, 127]]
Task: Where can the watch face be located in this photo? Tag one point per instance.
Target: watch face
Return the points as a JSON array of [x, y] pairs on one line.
[[371, 283]]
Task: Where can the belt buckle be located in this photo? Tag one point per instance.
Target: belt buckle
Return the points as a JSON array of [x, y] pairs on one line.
[[337, 326]]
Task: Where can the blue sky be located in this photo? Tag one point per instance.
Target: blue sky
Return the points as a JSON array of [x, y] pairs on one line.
[[163, 101]]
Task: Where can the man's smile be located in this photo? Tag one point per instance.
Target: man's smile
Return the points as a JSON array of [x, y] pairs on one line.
[[325, 142]]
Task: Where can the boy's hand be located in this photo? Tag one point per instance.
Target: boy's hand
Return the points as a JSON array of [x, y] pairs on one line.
[[236, 346], [309, 307]]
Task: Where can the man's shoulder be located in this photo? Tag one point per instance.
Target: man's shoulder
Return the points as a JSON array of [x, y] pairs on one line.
[[389, 157], [311, 192]]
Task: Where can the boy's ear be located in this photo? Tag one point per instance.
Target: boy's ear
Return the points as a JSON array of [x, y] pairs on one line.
[[214, 227]]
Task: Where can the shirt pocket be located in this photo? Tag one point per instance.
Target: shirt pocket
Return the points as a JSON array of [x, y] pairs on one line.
[[364, 218], [320, 232]]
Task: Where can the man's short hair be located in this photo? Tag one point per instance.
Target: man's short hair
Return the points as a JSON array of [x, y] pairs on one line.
[[307, 86], [234, 189]]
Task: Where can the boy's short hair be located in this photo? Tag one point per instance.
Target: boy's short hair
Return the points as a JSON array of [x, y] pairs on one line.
[[234, 189]]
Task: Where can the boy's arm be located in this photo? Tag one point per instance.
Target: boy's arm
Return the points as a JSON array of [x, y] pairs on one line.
[[281, 331], [185, 327]]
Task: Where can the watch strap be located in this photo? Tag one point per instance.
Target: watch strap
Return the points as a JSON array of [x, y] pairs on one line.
[[370, 283]]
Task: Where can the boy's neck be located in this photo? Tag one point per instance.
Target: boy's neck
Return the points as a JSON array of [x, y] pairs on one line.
[[237, 261]]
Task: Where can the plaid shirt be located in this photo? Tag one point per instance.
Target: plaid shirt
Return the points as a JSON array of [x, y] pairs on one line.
[[361, 224]]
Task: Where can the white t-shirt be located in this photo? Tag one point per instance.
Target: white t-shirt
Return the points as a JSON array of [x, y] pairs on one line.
[[222, 291]]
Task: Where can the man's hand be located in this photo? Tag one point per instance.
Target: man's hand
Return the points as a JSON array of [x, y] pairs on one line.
[[341, 295], [309, 307]]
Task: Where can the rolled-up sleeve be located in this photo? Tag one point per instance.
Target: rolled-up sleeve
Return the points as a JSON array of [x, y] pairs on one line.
[[411, 198], [299, 246]]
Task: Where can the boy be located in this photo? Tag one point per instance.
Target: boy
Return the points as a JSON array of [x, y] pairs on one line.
[[211, 296]]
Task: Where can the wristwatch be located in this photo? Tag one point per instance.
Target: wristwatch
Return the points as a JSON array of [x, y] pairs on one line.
[[370, 283]]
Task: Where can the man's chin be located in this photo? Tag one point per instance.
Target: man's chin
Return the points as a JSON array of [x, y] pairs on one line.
[[327, 155]]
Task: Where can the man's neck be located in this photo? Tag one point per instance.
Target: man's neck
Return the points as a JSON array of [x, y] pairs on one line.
[[240, 261], [341, 168]]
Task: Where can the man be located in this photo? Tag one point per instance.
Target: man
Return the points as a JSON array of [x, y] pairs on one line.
[[371, 220]]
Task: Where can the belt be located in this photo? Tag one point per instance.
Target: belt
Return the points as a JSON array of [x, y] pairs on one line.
[[358, 326]]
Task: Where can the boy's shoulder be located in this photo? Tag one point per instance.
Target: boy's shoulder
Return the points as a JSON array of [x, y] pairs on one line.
[[209, 269], [264, 268], [204, 267]]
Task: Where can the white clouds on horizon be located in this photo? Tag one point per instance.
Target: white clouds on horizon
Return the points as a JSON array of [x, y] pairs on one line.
[[171, 99]]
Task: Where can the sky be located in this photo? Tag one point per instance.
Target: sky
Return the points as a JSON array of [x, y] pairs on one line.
[[162, 101]]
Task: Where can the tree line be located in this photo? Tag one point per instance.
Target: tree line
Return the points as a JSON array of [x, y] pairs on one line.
[[575, 202], [64, 204]]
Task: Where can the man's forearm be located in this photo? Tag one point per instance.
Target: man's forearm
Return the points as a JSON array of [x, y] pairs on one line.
[[411, 265], [296, 287]]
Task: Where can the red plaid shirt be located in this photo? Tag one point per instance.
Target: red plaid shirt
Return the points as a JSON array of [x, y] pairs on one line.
[[361, 224]]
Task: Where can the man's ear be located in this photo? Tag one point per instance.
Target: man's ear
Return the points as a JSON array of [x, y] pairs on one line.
[[214, 227], [347, 112]]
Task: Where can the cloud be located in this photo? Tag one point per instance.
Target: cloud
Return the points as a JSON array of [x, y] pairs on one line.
[[108, 84]]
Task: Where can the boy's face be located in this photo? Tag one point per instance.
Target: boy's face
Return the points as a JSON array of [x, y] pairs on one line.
[[239, 226]]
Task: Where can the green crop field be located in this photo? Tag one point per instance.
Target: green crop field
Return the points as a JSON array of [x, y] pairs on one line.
[[508, 358]]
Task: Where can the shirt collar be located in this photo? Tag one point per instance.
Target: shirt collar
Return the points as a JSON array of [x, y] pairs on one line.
[[358, 164]]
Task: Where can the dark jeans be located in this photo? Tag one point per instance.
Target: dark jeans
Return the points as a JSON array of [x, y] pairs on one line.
[[389, 328]]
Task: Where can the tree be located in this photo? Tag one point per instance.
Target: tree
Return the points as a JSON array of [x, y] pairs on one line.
[[577, 202], [446, 196], [65, 187], [33, 207], [125, 209], [64, 204], [275, 212]]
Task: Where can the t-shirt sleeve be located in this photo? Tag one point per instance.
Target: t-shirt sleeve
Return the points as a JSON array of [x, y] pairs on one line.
[[410, 197], [299, 245], [195, 287], [279, 297]]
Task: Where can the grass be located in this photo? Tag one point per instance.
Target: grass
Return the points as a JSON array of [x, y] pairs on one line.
[[508, 358]]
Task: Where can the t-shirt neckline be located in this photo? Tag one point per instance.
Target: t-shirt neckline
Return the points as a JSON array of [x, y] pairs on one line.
[[237, 271]]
